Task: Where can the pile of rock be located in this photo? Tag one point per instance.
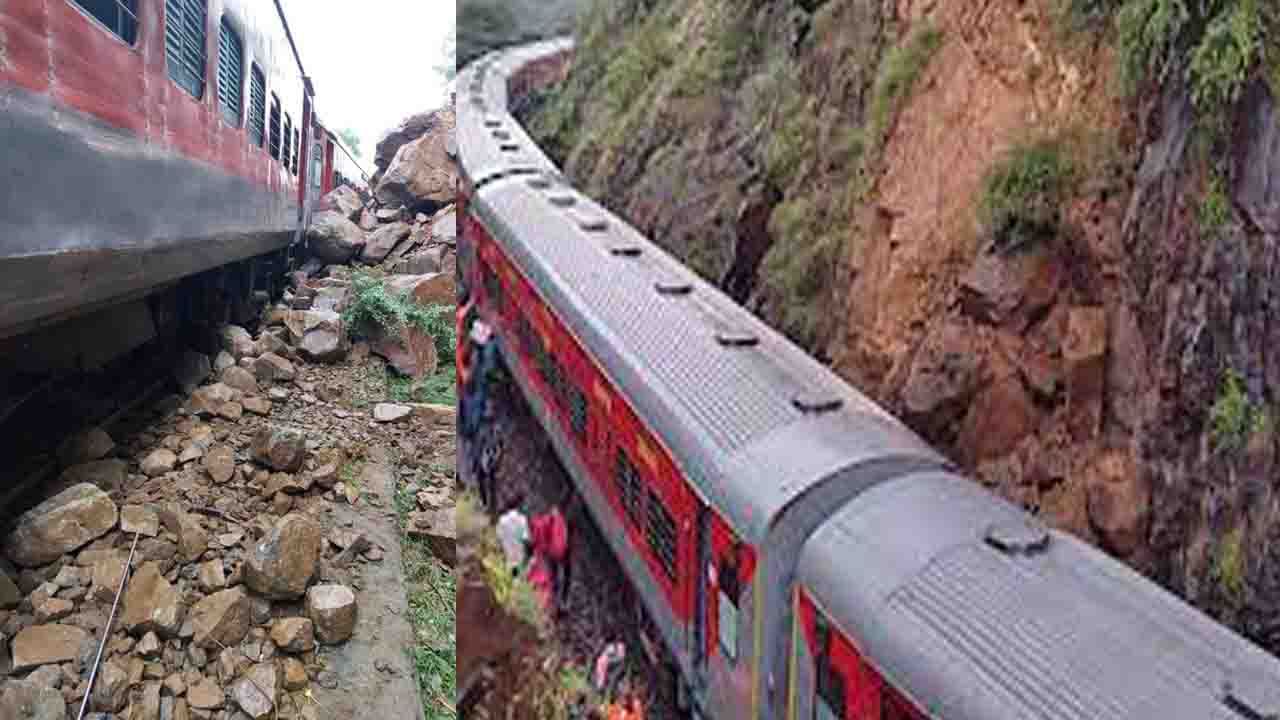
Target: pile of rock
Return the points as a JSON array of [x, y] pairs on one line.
[[409, 224], [235, 584]]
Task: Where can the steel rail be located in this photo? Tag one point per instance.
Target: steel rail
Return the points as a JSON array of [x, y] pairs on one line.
[[106, 631]]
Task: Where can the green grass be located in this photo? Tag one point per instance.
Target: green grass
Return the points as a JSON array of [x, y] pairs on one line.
[[798, 267], [1233, 418], [899, 70], [431, 589], [439, 388], [1228, 565], [1023, 192], [1215, 208], [373, 308]]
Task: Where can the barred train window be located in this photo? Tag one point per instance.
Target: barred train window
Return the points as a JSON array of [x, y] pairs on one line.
[[184, 43], [730, 595], [296, 143], [830, 701], [316, 162], [230, 74], [661, 533], [274, 136], [577, 410], [628, 486], [120, 16], [492, 285], [287, 141], [257, 106]]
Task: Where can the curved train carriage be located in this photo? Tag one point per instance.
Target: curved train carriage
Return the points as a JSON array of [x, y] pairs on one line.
[[143, 141], [802, 552]]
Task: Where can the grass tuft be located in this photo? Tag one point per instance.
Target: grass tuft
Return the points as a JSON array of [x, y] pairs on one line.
[[1228, 565], [899, 70], [1022, 194], [373, 308], [1233, 418]]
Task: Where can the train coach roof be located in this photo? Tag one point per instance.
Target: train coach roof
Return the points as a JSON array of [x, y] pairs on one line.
[[751, 418], [973, 632], [490, 141]]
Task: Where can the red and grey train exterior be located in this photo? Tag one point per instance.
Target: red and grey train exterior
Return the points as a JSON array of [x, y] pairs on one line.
[[142, 141], [803, 553]]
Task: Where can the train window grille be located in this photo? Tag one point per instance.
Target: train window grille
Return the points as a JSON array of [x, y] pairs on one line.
[[730, 594], [257, 106], [286, 142], [230, 73], [578, 411], [492, 285], [297, 141], [317, 161], [274, 135], [628, 480], [660, 531], [184, 43], [120, 16], [829, 703]]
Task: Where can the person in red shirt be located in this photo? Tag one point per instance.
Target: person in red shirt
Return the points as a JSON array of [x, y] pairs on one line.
[[549, 537]]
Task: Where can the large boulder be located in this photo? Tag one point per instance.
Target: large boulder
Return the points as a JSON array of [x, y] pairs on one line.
[[240, 379], [422, 171], [237, 341], [411, 129], [191, 370], [257, 691], [280, 448], [1119, 501], [332, 608], [320, 335], [343, 199], [43, 644], [383, 240], [444, 226], [29, 700], [333, 238], [425, 290], [151, 604], [221, 619], [61, 524], [210, 399], [282, 565], [87, 446], [411, 352]]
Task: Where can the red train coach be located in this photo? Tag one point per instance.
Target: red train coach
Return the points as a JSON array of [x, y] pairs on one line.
[[143, 141], [803, 555]]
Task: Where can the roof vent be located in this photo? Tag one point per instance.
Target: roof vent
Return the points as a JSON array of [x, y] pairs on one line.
[[539, 183], [630, 251], [593, 224], [509, 147], [1017, 538], [733, 339], [501, 135], [1240, 706], [478, 101], [673, 287], [815, 403], [563, 200], [492, 122]]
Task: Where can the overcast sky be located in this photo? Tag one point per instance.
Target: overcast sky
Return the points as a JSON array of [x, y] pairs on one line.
[[372, 61]]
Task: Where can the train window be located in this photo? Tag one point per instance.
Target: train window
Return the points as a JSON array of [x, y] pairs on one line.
[[120, 16], [286, 141], [830, 701], [317, 159], [492, 285], [730, 596], [628, 486], [578, 411], [230, 73], [273, 139], [184, 43], [660, 530], [257, 106], [296, 144]]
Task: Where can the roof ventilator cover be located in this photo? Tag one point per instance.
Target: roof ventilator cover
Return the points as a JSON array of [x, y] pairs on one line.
[[539, 183], [492, 122], [563, 200], [509, 147], [1233, 699], [630, 251], [812, 402], [672, 287], [1025, 538], [593, 224], [501, 135], [736, 338]]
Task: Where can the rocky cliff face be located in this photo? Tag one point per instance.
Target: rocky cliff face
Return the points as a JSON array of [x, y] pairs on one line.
[[1050, 249]]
